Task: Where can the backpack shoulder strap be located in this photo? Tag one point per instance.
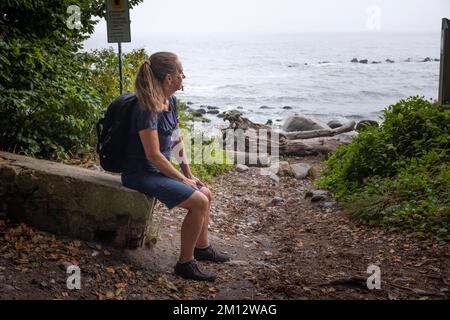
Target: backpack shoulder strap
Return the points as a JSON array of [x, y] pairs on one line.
[[175, 104]]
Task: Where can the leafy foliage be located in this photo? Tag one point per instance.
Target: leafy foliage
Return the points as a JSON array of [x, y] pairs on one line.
[[104, 72], [398, 175], [47, 102]]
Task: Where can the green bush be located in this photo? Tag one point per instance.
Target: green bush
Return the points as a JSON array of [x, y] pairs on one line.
[[398, 175], [53, 119], [104, 66]]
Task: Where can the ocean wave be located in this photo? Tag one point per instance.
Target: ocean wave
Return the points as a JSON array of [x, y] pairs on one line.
[[376, 94]]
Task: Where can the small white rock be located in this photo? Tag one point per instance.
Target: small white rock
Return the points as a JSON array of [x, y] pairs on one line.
[[274, 177], [241, 168], [300, 170], [95, 253]]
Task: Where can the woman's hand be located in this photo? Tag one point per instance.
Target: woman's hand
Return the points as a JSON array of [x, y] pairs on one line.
[[190, 182], [197, 180]]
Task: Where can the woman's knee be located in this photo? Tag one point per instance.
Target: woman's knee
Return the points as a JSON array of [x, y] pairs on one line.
[[207, 193], [197, 201]]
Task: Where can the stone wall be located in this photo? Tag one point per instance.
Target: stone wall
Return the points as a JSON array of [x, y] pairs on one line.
[[74, 202]]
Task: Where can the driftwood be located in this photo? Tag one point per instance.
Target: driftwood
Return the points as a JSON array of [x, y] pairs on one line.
[[307, 147], [239, 122], [350, 126], [301, 143]]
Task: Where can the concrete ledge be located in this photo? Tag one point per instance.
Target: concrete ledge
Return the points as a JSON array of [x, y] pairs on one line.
[[74, 202]]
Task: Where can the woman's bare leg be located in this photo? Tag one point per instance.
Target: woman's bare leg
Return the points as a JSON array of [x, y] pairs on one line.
[[203, 241], [197, 205]]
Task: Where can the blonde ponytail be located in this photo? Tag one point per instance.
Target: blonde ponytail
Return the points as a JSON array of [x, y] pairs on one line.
[[150, 77]]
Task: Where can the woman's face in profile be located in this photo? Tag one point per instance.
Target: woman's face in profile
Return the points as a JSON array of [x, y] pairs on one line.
[[177, 78]]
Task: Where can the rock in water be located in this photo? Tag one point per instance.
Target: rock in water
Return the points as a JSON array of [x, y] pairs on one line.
[[354, 60], [390, 61], [300, 122], [198, 112], [427, 59], [365, 61]]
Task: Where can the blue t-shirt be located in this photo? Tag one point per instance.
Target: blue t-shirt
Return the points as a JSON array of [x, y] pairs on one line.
[[165, 122]]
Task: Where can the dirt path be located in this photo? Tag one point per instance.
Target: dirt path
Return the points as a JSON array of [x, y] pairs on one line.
[[282, 247]]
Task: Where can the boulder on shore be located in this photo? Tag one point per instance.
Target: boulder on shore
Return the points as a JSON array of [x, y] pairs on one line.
[[299, 122], [334, 124], [241, 168]]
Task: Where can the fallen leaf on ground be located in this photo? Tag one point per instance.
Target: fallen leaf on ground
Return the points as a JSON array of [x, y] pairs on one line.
[[120, 285], [110, 270]]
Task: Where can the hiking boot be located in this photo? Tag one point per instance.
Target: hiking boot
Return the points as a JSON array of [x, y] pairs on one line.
[[190, 270], [209, 254]]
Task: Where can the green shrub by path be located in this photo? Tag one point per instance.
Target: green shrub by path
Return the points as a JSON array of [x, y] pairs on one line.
[[104, 66], [398, 175], [53, 119]]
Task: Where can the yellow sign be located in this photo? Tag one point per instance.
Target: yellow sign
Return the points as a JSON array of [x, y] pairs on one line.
[[117, 4], [118, 21]]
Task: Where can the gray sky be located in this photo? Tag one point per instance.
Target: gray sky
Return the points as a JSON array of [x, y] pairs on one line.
[[287, 16]]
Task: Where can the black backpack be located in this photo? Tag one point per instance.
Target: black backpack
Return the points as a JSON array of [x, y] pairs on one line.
[[113, 130]]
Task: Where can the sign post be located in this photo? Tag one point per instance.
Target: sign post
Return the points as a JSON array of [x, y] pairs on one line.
[[118, 25], [444, 78]]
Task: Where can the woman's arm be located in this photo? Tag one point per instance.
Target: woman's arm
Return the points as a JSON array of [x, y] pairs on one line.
[[184, 164], [150, 142]]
